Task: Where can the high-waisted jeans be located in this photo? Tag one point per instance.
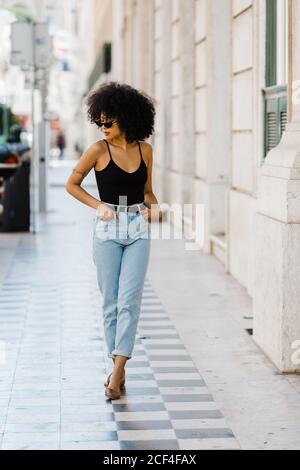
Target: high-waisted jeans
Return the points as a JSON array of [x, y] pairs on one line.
[[121, 251]]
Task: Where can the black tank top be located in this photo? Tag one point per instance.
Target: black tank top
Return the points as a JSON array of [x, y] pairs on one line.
[[114, 183]]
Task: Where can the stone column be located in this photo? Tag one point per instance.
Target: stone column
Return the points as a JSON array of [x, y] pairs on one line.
[[276, 299], [219, 97], [166, 89], [118, 40], [187, 100], [143, 46]]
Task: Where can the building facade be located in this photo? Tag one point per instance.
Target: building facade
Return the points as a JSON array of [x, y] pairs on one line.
[[222, 74]]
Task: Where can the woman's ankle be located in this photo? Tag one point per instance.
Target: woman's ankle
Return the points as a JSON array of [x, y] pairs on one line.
[[118, 372]]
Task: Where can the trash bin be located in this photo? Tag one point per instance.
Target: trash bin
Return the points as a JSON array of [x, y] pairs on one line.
[[16, 200]]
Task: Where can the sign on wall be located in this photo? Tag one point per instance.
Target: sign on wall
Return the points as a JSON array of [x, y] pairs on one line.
[[31, 45]]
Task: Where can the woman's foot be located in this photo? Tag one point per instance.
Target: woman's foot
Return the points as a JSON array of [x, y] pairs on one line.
[[112, 390], [112, 394], [115, 380], [122, 384]]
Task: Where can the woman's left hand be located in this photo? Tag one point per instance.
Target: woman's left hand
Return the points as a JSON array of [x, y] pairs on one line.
[[146, 213], [153, 214]]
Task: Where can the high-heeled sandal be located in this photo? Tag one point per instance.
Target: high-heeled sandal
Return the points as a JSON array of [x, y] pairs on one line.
[[122, 384]]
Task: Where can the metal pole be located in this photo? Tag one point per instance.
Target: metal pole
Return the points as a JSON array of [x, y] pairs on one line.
[[32, 179], [44, 140], [33, 159], [43, 163]]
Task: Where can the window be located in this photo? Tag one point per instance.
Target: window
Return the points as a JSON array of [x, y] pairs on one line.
[[102, 65], [275, 93]]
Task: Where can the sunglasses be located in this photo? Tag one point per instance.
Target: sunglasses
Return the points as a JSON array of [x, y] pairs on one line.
[[106, 124]]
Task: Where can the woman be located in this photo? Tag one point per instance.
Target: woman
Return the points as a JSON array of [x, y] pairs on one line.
[[121, 244]]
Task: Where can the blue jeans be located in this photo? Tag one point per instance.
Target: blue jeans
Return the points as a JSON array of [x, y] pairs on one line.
[[121, 250]]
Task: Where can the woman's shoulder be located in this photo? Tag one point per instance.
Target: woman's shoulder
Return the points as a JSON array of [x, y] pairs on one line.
[[146, 147], [145, 144], [97, 152], [98, 147], [100, 143], [147, 151]]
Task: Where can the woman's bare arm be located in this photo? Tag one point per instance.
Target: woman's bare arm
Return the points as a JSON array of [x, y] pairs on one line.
[[149, 196], [73, 186]]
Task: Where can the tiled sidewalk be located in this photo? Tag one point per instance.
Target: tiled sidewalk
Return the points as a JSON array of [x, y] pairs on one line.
[[51, 386]]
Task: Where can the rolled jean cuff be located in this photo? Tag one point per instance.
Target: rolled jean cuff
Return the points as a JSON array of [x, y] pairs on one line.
[[119, 353]]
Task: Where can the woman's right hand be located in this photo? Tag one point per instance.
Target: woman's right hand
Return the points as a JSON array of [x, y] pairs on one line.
[[105, 212]]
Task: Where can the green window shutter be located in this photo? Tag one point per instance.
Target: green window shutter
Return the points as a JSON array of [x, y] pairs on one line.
[[271, 124], [275, 96], [271, 43], [275, 116], [283, 115]]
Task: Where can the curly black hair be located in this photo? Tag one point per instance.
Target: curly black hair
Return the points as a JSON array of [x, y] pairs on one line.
[[133, 109]]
